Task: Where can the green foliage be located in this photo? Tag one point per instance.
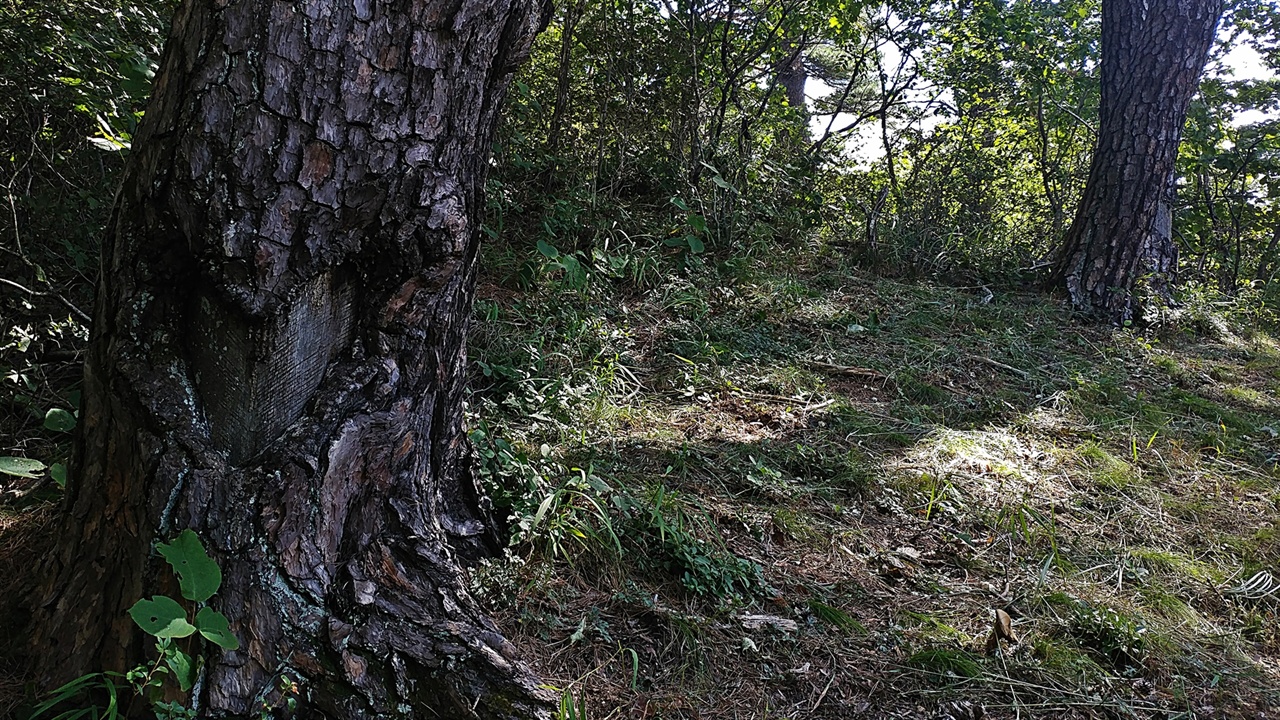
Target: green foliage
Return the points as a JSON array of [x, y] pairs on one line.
[[573, 512], [836, 618], [21, 467], [1113, 637], [166, 620], [198, 575], [633, 133], [1229, 163], [946, 662], [77, 688], [214, 627], [987, 186], [59, 420], [672, 538], [571, 708], [76, 76], [162, 617]]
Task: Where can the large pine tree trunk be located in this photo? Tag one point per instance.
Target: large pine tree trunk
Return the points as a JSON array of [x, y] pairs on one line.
[[278, 358], [1153, 52]]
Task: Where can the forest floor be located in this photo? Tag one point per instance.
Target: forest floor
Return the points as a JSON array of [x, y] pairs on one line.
[[781, 487]]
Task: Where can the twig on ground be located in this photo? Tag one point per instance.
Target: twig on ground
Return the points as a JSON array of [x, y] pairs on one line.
[[847, 370], [997, 364]]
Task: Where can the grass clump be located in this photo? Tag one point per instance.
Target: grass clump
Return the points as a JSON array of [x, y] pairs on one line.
[[672, 539], [1106, 470], [1114, 638]]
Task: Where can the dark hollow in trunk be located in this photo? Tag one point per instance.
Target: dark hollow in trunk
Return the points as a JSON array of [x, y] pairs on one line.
[[278, 358], [1153, 52]]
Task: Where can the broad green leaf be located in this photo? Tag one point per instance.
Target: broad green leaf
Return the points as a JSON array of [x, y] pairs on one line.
[[21, 467], [59, 420], [58, 471], [198, 575], [214, 627], [162, 617], [720, 183], [695, 245], [548, 249], [183, 668]]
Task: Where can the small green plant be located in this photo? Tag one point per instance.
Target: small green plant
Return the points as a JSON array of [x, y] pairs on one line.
[[574, 512], [571, 708], [836, 618], [1116, 638], [667, 532], [687, 239], [288, 691], [165, 619], [946, 662]]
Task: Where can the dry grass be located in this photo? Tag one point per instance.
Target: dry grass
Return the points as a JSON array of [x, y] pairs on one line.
[[24, 535], [915, 458]]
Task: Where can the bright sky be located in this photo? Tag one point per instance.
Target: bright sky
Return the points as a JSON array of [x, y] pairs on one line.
[[1246, 64], [1243, 63]]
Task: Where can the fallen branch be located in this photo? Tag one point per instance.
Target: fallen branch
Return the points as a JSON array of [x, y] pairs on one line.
[[997, 364], [847, 370]]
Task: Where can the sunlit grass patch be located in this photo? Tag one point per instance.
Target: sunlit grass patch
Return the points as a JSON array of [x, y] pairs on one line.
[[1253, 398], [1105, 469], [1170, 561], [990, 465], [1170, 606]]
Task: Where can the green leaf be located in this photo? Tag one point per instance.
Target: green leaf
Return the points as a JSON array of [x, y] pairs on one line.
[[720, 183], [21, 467], [59, 420], [198, 575], [58, 471], [183, 668], [162, 617], [548, 249], [213, 625], [695, 245]]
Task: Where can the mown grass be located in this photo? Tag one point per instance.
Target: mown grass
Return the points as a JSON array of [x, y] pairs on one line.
[[874, 467]]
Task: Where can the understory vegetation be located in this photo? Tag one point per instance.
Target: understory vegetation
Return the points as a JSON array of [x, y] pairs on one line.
[[780, 429], [780, 488]]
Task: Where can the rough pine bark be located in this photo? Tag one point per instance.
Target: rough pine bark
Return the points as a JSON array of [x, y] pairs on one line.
[[1153, 52], [277, 360]]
